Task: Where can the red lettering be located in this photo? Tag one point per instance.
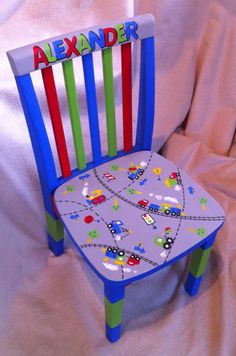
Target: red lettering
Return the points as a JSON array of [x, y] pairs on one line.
[[107, 31], [39, 57], [71, 47]]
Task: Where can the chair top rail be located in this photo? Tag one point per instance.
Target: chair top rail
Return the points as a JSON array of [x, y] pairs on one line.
[[57, 49]]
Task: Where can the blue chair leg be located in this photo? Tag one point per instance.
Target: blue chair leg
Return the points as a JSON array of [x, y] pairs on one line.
[[198, 262], [114, 300], [55, 234]]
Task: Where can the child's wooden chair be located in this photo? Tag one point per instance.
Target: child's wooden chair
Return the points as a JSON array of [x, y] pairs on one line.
[[132, 212]]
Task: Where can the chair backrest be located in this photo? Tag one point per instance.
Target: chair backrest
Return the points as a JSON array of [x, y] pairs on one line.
[[44, 54]]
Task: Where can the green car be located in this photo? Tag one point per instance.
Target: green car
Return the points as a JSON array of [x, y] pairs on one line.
[[164, 242]]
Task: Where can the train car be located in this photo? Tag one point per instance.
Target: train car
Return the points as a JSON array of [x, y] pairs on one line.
[[154, 207], [111, 253], [119, 257], [115, 226], [143, 203], [133, 260], [165, 208], [164, 242], [173, 180], [175, 211], [135, 175]]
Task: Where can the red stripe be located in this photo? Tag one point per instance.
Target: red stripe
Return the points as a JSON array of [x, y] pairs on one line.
[[126, 67], [53, 106]]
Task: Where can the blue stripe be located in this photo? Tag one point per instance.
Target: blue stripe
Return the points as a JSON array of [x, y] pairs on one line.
[[114, 291], [57, 247], [92, 106], [39, 139], [113, 334], [146, 95], [192, 285]]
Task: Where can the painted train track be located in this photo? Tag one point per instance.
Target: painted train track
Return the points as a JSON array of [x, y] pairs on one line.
[[184, 217]]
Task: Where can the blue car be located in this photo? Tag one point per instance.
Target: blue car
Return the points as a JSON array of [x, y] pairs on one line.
[[154, 207], [115, 226], [136, 175], [175, 211]]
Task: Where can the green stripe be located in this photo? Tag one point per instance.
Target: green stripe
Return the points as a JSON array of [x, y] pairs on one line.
[[73, 104], [113, 312], [55, 227], [199, 261], [109, 100]]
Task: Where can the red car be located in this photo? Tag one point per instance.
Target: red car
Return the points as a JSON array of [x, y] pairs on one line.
[[143, 203], [99, 199], [133, 260]]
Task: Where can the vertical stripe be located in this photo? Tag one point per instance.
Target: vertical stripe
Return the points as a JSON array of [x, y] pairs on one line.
[[109, 100], [54, 110], [92, 106], [39, 139], [146, 95], [126, 67], [73, 104]]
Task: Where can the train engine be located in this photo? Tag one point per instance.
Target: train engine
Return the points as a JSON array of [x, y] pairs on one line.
[[115, 227], [119, 257], [135, 173], [166, 241], [173, 180]]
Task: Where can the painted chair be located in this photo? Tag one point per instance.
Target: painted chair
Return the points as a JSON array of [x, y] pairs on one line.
[[129, 213]]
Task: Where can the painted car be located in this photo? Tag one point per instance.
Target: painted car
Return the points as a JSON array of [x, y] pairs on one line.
[[136, 175], [98, 200], [133, 260], [164, 242], [143, 203], [115, 254], [115, 225], [154, 207], [173, 180]]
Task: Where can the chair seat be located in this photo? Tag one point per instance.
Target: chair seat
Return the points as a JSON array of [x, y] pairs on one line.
[[132, 215]]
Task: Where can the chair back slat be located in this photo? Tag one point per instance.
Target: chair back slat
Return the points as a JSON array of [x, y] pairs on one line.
[[109, 100], [73, 105], [91, 98], [126, 68], [146, 95], [41, 147], [63, 49], [54, 110]]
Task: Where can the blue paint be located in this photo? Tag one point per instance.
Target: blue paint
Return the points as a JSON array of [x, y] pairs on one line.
[[40, 143], [59, 49], [143, 181], [113, 334], [146, 95], [191, 190], [139, 249], [94, 38], [192, 285], [114, 291], [209, 242], [92, 107], [85, 176], [130, 30], [57, 247]]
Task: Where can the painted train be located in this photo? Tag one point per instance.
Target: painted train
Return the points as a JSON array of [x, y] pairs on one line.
[[119, 257], [163, 208]]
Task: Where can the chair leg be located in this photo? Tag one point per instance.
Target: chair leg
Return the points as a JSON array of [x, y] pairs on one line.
[[114, 299], [198, 262], [55, 235]]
